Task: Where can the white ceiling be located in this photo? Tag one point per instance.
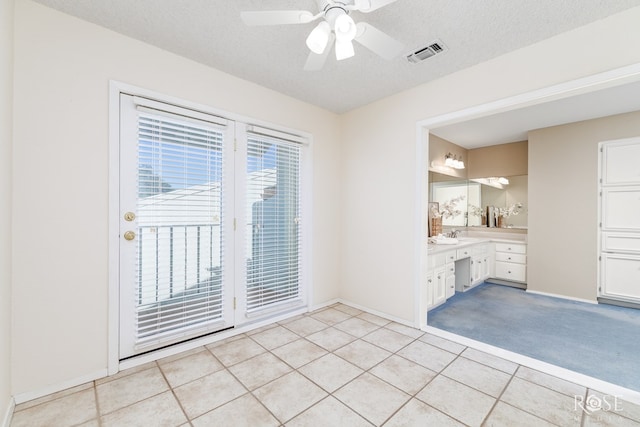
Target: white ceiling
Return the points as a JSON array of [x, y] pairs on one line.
[[513, 125], [211, 32]]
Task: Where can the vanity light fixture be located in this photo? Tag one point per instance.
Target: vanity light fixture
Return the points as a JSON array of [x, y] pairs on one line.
[[452, 161]]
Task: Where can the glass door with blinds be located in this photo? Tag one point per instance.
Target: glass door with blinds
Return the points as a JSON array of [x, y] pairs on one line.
[[187, 182]]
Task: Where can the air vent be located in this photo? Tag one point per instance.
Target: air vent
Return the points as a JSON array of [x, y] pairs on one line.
[[430, 50]]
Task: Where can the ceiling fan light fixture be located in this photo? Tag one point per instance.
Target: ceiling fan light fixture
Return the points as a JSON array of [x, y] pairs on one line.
[[344, 49], [319, 38], [345, 28]]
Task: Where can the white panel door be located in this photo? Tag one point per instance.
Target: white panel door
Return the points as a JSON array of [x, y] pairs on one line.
[[621, 162], [621, 208], [621, 276]]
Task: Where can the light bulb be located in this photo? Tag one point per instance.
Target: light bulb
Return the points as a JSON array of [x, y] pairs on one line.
[[319, 38], [345, 28], [344, 49]]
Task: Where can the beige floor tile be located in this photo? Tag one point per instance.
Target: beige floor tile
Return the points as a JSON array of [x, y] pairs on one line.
[[128, 390], [356, 327], [237, 351], [275, 337], [389, 340], [127, 372], [329, 412], [91, 423], [189, 368], [244, 411], [404, 374], [352, 311], [299, 352], [53, 396], [160, 410], [479, 376], [545, 403], [207, 393], [427, 355], [330, 372], [450, 346], [331, 338], [330, 316], [417, 413], [376, 320], [372, 398], [490, 360], [69, 410], [608, 419], [554, 383], [457, 400], [504, 415], [406, 330], [259, 370], [305, 326], [289, 395], [362, 354], [180, 355], [617, 404]]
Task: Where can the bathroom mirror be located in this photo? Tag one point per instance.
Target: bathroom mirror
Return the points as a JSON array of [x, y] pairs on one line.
[[463, 202]]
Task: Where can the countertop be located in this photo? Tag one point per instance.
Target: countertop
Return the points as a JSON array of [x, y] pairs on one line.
[[469, 241]]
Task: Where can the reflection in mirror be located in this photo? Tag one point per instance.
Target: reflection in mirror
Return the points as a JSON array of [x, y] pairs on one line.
[[464, 203]]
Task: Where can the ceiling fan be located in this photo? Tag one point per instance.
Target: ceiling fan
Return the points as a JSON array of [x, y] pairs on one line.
[[336, 25]]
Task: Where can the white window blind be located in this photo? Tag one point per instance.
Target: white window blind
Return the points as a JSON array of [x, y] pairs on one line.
[[180, 210], [273, 230]]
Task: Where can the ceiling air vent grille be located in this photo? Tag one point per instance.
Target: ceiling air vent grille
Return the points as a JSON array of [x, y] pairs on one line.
[[430, 50]]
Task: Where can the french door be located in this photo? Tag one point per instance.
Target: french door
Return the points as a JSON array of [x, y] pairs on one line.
[[210, 218]]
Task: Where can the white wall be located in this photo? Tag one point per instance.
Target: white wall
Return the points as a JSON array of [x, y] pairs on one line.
[[379, 167], [6, 129], [62, 70]]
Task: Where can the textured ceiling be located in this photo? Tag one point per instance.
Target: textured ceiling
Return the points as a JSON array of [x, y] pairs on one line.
[[211, 32]]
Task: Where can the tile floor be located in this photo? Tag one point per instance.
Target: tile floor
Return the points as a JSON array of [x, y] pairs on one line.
[[337, 366]]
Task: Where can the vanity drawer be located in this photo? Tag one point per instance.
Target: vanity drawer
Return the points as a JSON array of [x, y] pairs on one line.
[[450, 269], [511, 247], [449, 256], [511, 257], [509, 271], [463, 253]]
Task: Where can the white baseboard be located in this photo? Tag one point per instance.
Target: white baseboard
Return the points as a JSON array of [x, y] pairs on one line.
[[8, 415], [64, 385], [377, 313], [592, 383], [588, 301]]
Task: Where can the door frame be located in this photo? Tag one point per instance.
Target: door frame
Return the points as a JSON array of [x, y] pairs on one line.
[[306, 189]]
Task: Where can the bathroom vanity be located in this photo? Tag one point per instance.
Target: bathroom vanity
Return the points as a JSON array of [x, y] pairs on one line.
[[459, 267]]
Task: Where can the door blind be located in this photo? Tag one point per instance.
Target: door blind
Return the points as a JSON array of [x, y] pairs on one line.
[[273, 229], [180, 263]]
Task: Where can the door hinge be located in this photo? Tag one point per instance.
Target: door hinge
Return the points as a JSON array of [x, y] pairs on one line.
[[600, 258], [235, 144], [234, 224], [234, 303]]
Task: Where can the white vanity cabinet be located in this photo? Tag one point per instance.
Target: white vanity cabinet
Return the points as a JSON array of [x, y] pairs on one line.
[[619, 222], [440, 273], [480, 263], [511, 262]]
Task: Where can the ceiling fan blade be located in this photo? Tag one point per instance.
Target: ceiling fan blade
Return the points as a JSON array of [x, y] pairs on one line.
[[277, 17], [367, 6], [315, 61], [377, 41]]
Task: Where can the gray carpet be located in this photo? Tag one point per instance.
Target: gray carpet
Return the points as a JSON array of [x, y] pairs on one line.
[[601, 341]]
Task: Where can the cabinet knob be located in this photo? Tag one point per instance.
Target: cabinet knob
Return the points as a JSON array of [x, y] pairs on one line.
[[509, 258]]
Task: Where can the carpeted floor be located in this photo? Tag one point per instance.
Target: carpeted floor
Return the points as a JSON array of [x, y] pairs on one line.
[[601, 341]]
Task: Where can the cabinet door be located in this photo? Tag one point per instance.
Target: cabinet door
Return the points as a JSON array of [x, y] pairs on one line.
[[450, 284], [439, 286], [430, 287], [621, 162], [620, 207], [621, 276]]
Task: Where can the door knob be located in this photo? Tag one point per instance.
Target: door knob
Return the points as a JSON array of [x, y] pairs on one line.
[[129, 235], [129, 216]]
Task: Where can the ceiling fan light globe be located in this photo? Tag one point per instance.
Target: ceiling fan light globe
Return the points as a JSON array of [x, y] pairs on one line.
[[344, 49], [319, 38], [345, 28]]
